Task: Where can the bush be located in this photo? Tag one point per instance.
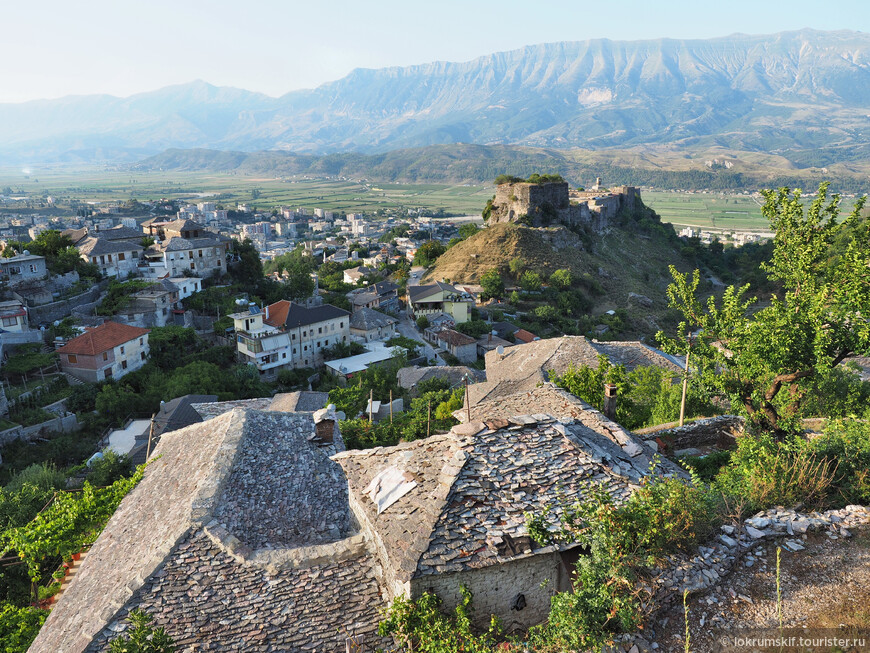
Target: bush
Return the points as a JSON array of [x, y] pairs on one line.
[[19, 626], [422, 322], [848, 443], [421, 626], [109, 468], [764, 473], [142, 637]]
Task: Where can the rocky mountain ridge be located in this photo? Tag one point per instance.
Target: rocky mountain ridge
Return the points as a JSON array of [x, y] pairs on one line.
[[802, 94]]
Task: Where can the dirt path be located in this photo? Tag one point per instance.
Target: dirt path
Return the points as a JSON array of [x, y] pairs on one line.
[[825, 593]]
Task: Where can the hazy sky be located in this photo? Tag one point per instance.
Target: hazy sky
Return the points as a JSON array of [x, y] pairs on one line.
[[52, 48]]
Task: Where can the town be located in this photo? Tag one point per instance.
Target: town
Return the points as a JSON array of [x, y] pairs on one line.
[[359, 398]]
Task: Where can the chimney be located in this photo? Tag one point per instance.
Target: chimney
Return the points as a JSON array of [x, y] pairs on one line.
[[609, 400], [324, 426]]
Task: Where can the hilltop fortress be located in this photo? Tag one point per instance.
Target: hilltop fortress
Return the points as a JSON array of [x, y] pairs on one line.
[[551, 203]]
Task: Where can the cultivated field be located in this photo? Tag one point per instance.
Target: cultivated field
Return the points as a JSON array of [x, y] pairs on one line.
[[715, 211], [265, 193]]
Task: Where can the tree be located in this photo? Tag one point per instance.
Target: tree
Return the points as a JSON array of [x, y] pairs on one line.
[[517, 266], [249, 268], [561, 279], [142, 637], [468, 230], [530, 281], [813, 322], [428, 253], [493, 286]]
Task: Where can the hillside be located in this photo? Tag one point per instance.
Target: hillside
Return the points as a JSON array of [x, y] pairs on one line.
[[607, 266], [802, 95], [458, 163]]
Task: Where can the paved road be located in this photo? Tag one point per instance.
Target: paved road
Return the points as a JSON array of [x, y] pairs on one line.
[[407, 328]]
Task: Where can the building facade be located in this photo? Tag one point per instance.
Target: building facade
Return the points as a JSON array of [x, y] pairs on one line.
[[108, 351]]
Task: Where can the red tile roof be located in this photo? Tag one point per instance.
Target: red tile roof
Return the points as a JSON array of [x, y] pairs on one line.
[[524, 336], [278, 313], [102, 338]]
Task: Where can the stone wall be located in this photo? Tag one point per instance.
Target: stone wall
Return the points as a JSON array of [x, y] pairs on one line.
[[60, 309], [64, 424], [549, 204], [713, 431], [496, 589]]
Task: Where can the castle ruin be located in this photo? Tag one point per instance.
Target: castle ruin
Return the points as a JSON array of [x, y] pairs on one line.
[[552, 203]]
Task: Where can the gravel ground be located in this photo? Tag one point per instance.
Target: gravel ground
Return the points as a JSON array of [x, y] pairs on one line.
[[825, 592]]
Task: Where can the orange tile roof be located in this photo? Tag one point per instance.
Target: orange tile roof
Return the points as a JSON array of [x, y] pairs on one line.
[[278, 313], [524, 336], [102, 338]]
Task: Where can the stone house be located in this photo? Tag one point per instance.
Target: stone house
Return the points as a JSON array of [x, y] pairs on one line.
[[382, 295], [184, 247], [440, 297], [524, 366], [457, 344], [259, 517], [262, 345], [108, 351], [357, 274], [22, 268], [368, 324], [115, 258]]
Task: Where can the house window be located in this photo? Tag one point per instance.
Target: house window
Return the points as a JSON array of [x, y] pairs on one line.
[[72, 359], [294, 336], [305, 348], [304, 333], [105, 355], [9, 321], [108, 373], [123, 365], [142, 356], [284, 355], [319, 329], [200, 253], [94, 260], [341, 325], [122, 349], [121, 256], [141, 341]]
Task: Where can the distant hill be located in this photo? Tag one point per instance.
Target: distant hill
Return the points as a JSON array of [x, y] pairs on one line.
[[803, 95]]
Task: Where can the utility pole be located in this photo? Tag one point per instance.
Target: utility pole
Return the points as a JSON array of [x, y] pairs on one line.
[[371, 402], [429, 419], [685, 381], [150, 435], [391, 405], [467, 398]]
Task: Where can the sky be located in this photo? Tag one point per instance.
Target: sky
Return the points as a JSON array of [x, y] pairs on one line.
[[54, 48]]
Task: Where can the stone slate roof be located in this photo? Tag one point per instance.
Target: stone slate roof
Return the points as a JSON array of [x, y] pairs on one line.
[[522, 367], [408, 377], [181, 546], [214, 409], [455, 338], [474, 484], [368, 318], [178, 244], [418, 293], [552, 400], [179, 412], [91, 246], [301, 401], [255, 505], [225, 606], [120, 232]]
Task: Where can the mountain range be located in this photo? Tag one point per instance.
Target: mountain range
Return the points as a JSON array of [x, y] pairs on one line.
[[802, 95]]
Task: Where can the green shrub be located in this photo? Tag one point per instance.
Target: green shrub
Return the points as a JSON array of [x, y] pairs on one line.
[[848, 443], [19, 627], [764, 473], [420, 625], [142, 637], [109, 468]]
